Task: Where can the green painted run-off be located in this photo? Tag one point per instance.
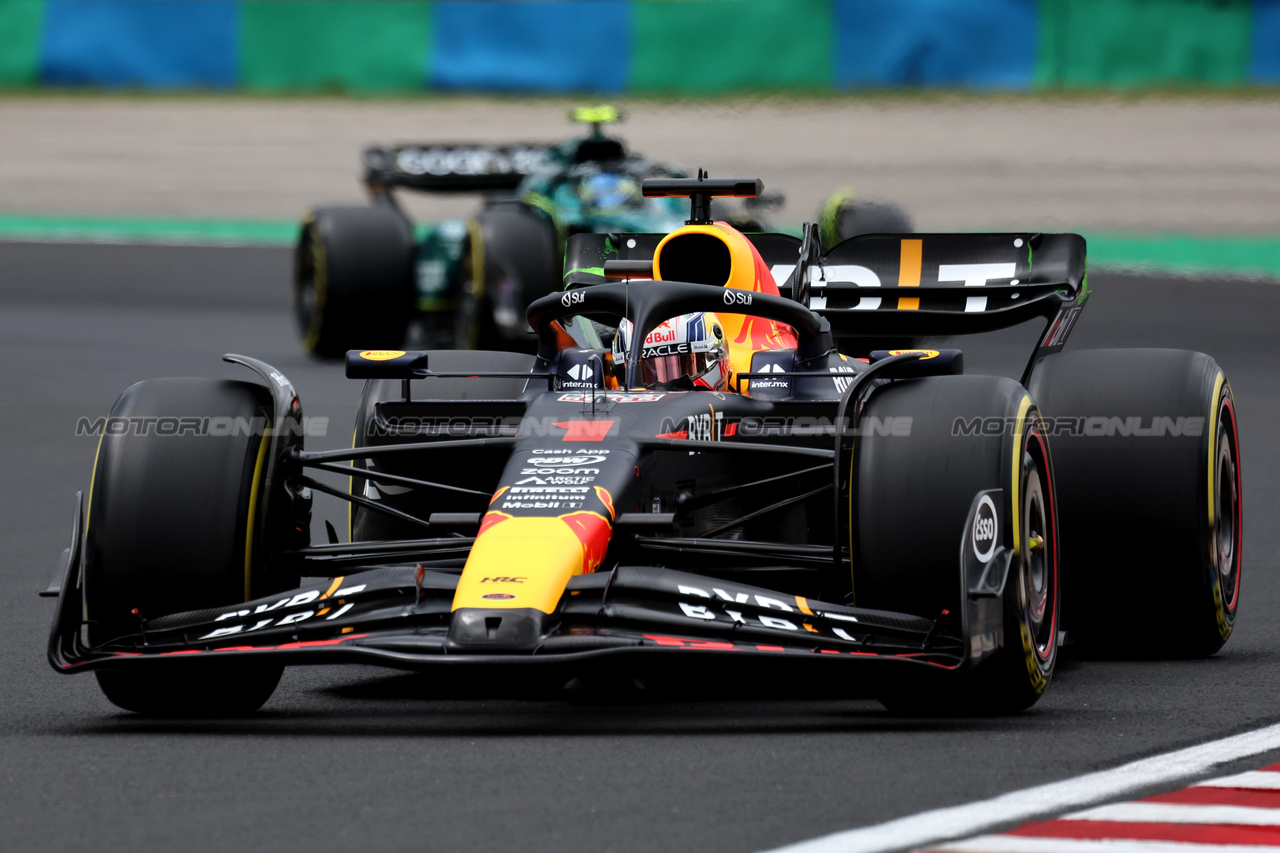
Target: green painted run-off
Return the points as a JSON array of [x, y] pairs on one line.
[[1182, 253], [89, 229], [1185, 253]]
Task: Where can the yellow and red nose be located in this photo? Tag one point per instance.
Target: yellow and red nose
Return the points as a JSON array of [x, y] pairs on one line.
[[520, 562]]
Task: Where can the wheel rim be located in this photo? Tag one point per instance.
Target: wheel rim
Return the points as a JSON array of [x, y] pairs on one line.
[[1039, 558], [304, 292], [1226, 528]]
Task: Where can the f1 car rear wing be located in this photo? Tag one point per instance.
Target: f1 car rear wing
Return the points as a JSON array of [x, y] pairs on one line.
[[455, 167], [909, 285]]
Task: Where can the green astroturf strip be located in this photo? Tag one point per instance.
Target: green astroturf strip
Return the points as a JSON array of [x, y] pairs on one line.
[[1183, 253], [1178, 253], [88, 229]]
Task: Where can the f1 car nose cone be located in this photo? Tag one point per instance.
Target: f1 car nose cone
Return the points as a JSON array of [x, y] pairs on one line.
[[475, 629]]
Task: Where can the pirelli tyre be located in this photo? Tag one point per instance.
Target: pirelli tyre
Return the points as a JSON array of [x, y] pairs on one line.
[[1149, 455], [172, 526], [844, 216], [514, 259], [353, 279], [914, 489]]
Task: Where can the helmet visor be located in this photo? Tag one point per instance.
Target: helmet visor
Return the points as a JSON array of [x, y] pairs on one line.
[[668, 368]]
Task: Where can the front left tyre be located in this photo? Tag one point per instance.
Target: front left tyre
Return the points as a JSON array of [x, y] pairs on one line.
[[173, 525], [912, 492]]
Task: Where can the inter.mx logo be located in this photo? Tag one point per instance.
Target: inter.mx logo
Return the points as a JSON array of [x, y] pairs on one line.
[[772, 379], [581, 372]]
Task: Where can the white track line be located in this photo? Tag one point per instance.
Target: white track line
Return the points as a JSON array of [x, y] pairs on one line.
[[1255, 779], [1054, 798], [1024, 844], [1180, 813]]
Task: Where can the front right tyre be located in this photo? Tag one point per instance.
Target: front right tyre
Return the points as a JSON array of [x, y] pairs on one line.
[[173, 525]]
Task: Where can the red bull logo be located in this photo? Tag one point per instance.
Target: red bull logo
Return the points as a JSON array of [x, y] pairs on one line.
[[661, 335]]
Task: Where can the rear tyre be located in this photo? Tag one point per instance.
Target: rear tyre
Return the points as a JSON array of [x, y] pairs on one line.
[[518, 263], [844, 216], [172, 526], [473, 324], [912, 502], [353, 279], [1147, 444]]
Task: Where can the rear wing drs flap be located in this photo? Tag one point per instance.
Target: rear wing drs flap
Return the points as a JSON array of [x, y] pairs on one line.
[[899, 285]]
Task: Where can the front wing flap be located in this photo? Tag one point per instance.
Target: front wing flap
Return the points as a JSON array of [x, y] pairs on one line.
[[400, 616]]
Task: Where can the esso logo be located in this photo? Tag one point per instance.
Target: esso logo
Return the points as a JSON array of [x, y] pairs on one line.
[[986, 529], [733, 296], [573, 297]]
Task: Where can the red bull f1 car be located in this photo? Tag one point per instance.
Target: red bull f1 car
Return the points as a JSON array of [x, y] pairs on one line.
[[612, 506]]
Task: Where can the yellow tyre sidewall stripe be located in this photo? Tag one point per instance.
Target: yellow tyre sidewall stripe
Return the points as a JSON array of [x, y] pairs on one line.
[[249, 524], [319, 284], [1016, 473], [1213, 442], [1223, 618], [88, 511]]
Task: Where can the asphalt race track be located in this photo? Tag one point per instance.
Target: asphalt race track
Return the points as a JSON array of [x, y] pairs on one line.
[[356, 758]]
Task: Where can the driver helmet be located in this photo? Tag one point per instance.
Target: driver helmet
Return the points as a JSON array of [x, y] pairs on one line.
[[610, 191], [687, 352]]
